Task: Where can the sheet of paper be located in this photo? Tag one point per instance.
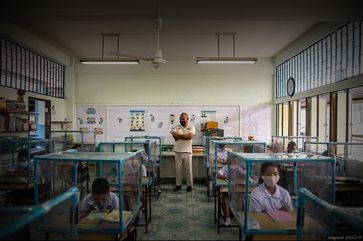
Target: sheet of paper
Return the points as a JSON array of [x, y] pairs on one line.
[[280, 216]]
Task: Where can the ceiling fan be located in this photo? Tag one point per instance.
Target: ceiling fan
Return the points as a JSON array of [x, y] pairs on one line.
[[157, 60]]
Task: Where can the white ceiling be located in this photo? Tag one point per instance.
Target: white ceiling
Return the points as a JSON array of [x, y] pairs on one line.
[[262, 28]]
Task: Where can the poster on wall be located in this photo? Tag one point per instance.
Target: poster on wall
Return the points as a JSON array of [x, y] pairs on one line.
[[256, 122], [207, 115], [137, 120], [91, 120]]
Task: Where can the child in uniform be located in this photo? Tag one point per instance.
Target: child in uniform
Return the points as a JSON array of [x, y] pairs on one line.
[[269, 196], [100, 199]]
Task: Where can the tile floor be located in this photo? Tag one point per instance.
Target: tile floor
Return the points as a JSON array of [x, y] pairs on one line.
[[184, 216]]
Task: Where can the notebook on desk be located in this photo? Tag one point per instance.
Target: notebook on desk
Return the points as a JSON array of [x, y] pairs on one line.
[[113, 216], [347, 179]]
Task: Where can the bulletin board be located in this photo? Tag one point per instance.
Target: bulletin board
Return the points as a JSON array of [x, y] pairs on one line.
[[120, 121]]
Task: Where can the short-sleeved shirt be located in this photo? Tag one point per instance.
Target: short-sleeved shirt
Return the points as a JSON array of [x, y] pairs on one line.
[[88, 204], [183, 145], [223, 172], [262, 200]]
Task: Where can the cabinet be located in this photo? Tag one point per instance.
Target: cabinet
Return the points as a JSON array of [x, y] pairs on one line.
[[18, 122]]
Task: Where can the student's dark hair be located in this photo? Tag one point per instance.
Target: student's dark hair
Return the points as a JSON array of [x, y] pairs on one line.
[[328, 153], [23, 153], [100, 186], [290, 145], [264, 167]]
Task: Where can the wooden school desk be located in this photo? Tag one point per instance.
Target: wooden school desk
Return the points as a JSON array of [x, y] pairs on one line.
[[91, 229], [146, 192], [268, 224]]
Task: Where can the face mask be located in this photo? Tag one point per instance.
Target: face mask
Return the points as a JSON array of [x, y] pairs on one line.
[[182, 122], [270, 180]]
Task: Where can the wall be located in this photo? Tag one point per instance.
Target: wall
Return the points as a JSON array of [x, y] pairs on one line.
[[176, 82]]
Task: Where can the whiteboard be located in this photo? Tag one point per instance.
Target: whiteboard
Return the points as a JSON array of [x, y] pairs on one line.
[[159, 120]]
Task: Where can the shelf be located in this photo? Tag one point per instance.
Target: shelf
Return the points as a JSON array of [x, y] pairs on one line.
[[61, 122]]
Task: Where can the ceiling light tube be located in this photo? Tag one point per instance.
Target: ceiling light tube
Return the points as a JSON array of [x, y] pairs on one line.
[[109, 61], [224, 60]]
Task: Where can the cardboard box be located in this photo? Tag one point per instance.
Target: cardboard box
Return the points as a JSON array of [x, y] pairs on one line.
[[211, 125]]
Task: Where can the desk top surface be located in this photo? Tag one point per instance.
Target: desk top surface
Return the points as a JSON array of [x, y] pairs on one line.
[[267, 223]]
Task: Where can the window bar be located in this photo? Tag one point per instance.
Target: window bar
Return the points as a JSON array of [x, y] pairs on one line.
[[27, 83], [341, 54], [323, 65], [62, 81], [360, 49], [310, 69], [1, 62], [326, 62], [16, 68], [11, 65], [354, 28], [51, 86], [49, 74], [335, 58], [49, 79], [33, 74], [346, 75], [46, 74]]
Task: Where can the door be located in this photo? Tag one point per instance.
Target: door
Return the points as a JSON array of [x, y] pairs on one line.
[[43, 108]]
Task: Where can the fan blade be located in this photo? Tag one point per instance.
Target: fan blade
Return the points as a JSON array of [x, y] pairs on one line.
[[129, 56]]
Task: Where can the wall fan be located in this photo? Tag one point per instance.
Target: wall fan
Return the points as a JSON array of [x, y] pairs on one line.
[[157, 60]]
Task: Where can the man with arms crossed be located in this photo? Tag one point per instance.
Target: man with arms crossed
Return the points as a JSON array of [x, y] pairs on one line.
[[183, 135]]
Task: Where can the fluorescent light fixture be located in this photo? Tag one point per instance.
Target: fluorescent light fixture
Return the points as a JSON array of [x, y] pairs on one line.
[[109, 61], [225, 60]]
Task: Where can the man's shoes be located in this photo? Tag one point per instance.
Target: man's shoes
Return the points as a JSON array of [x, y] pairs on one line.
[[177, 188], [227, 222], [189, 189], [159, 190]]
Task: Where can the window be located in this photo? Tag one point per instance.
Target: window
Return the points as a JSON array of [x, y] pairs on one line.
[[25, 69]]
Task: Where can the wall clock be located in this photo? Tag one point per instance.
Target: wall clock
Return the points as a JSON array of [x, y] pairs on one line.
[[290, 86]]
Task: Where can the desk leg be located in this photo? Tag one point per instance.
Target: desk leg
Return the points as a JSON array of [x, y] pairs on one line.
[[219, 207], [215, 204]]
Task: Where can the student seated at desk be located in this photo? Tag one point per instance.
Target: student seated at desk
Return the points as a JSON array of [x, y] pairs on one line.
[[154, 158], [100, 199], [20, 171], [291, 147], [223, 174], [130, 178], [339, 164], [269, 196], [222, 153]]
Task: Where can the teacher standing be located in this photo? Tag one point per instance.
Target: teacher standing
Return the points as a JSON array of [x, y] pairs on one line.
[[183, 135]]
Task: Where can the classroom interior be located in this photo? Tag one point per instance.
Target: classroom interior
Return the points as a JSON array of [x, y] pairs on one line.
[[89, 88]]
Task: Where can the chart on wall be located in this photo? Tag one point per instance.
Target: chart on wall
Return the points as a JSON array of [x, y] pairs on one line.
[[91, 119], [120, 121], [256, 121]]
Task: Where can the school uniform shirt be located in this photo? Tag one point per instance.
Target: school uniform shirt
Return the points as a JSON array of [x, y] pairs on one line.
[[223, 172], [262, 200], [183, 145], [88, 204]]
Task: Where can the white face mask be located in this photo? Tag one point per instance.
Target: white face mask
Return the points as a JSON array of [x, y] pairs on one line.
[[270, 180]]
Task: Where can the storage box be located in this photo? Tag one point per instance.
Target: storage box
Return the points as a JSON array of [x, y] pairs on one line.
[[211, 125]]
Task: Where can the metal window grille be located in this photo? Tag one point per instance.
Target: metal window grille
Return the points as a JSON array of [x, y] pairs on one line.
[[22, 68], [335, 57]]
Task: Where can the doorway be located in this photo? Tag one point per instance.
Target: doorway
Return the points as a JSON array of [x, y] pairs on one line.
[[43, 119]]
